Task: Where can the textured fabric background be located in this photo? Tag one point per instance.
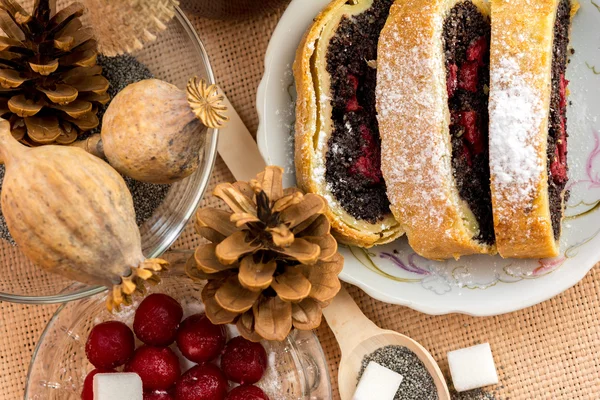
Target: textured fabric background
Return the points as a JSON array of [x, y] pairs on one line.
[[545, 352]]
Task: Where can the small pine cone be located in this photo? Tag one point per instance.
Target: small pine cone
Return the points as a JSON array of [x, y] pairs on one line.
[[50, 85]]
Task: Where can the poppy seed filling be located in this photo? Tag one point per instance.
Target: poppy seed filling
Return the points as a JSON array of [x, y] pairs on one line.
[[353, 160], [466, 45]]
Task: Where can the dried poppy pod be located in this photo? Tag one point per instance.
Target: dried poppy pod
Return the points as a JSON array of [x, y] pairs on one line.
[[71, 213], [272, 262], [153, 132]]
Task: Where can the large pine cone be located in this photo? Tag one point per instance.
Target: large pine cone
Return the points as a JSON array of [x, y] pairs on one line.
[[272, 263]]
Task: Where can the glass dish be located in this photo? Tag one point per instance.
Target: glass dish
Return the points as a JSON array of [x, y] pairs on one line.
[[230, 9], [176, 55], [297, 366]]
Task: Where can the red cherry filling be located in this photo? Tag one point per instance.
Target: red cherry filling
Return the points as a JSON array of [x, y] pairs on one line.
[[156, 320], [369, 164], [247, 392], [469, 121], [158, 367], [352, 103], [158, 395], [244, 361], [199, 340], [468, 76], [558, 167], [478, 49], [203, 382], [109, 345], [88, 383], [563, 83]]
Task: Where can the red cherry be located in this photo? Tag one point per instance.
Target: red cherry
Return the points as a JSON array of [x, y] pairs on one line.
[[158, 395], [247, 392], [158, 367], [469, 120], [110, 344], [558, 169], [199, 339], [203, 382], [468, 76], [88, 383], [452, 79], [244, 361], [369, 164], [156, 320], [352, 104], [478, 49]]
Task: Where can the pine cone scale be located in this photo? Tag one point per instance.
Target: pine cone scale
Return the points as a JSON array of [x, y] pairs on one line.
[[256, 276], [292, 286], [272, 318], [207, 261], [233, 297]]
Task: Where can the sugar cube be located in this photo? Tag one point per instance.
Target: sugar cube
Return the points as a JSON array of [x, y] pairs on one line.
[[473, 367], [377, 382], [118, 386]]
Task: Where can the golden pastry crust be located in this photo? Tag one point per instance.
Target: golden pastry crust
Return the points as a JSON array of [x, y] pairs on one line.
[[311, 139], [520, 90], [414, 119]]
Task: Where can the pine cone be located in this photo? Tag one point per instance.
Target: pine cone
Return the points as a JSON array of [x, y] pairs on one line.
[[50, 84], [272, 263]]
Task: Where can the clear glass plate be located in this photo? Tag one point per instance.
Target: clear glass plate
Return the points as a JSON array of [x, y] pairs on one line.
[[175, 56], [297, 366]]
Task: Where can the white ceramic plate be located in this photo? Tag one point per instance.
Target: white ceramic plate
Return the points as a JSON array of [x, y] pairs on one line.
[[479, 285]]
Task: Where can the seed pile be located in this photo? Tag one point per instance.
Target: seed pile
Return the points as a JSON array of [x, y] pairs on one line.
[[476, 394], [417, 383], [120, 72]]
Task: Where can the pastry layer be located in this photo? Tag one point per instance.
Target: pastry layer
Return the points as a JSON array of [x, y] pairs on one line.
[[414, 120], [315, 124], [354, 158], [466, 45], [527, 200]]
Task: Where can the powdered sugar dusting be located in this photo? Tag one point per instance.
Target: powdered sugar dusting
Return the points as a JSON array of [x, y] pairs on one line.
[[416, 168], [516, 113]]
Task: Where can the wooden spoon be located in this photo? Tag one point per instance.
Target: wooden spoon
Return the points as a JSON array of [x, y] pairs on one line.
[[358, 337]]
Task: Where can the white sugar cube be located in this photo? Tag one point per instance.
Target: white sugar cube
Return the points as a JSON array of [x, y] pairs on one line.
[[377, 382], [118, 386], [473, 367]]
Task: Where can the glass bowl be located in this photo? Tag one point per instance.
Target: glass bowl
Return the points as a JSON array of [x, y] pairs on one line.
[[176, 56], [297, 366]]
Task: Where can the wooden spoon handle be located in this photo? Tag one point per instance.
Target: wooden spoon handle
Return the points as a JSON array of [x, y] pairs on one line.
[[348, 323]]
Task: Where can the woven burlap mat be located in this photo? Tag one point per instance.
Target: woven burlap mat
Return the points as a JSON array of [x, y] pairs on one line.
[[545, 352]]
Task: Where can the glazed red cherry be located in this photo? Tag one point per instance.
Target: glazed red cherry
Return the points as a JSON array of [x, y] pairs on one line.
[[158, 395], [203, 382], [158, 367], [156, 320], [199, 339], [109, 345], [244, 361], [247, 392], [88, 383]]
